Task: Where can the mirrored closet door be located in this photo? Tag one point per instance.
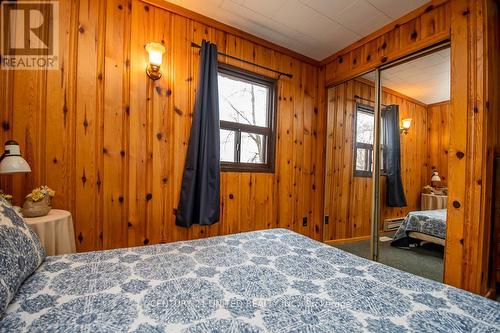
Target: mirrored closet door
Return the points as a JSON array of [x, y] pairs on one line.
[[349, 160], [392, 207], [414, 139]]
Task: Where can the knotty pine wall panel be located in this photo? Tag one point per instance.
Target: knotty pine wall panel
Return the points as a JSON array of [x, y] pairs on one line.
[[112, 143], [348, 198], [438, 116], [474, 125]]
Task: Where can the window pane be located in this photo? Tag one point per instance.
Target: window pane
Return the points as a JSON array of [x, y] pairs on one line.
[[253, 148], [242, 102], [227, 141], [364, 127], [361, 161]]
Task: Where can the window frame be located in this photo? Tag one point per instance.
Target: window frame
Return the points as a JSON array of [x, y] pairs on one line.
[[363, 173], [268, 132]]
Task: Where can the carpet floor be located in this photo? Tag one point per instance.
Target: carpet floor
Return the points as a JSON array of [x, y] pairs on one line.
[[425, 260]]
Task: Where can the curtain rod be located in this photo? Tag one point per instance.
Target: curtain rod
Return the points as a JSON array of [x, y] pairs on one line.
[[247, 62], [366, 99]]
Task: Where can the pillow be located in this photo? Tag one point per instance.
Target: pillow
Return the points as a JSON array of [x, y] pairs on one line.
[[20, 253]]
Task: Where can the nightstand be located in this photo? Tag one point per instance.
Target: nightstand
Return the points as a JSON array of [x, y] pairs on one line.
[[55, 230], [432, 201]]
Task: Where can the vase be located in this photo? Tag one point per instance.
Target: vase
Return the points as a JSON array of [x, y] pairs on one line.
[[36, 209]]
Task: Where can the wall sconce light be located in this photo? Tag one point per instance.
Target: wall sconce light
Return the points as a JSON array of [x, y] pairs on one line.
[[405, 125], [155, 51]]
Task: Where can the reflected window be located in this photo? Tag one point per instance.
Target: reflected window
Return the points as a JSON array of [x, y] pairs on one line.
[[364, 134]]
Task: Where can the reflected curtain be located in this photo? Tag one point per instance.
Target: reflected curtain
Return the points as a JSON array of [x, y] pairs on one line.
[[395, 195], [199, 201]]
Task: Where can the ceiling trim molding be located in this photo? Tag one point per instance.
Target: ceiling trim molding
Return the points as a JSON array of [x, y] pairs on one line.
[[374, 35], [163, 4], [446, 102]]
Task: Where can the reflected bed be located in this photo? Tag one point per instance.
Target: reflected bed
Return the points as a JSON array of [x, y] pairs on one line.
[[426, 225]]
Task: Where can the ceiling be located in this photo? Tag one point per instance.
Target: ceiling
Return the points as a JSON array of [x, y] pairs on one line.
[[426, 79], [314, 28]]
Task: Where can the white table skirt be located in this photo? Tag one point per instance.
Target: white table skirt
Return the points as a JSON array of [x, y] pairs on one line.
[[56, 232], [432, 201]]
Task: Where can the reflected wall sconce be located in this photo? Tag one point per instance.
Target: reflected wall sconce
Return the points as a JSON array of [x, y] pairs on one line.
[[155, 51], [405, 125]]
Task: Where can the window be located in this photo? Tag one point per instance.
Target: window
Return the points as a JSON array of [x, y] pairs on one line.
[[363, 149], [247, 116]]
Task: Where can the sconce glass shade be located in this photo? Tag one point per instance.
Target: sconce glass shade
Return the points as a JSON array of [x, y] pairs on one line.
[[155, 51], [12, 161], [406, 123]]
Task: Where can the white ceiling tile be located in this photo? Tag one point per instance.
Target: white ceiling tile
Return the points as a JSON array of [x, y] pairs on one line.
[[357, 14], [243, 17], [370, 76], [265, 7], [298, 16], [337, 36], [422, 78], [271, 30], [310, 27], [330, 8], [372, 24], [445, 53], [396, 9]]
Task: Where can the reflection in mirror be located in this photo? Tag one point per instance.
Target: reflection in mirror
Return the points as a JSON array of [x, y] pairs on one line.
[[414, 139], [349, 153], [414, 142]]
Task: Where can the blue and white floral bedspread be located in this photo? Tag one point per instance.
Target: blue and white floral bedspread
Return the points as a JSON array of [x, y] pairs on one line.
[[429, 222], [265, 281]]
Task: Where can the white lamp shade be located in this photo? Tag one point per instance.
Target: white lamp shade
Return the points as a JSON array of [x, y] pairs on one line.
[[14, 164], [12, 161], [435, 177]]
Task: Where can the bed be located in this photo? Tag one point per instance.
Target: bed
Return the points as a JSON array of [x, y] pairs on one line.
[[264, 281], [426, 225]]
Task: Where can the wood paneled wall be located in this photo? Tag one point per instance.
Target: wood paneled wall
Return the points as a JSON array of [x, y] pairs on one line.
[[438, 119], [112, 143], [348, 198], [474, 122], [421, 28]]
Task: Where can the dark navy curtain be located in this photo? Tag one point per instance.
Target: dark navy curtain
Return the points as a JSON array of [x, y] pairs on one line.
[[200, 193], [392, 153]]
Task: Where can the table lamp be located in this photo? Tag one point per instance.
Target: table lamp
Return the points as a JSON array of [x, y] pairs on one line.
[[435, 179], [11, 161]]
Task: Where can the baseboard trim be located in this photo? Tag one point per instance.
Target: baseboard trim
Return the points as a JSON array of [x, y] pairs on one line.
[[346, 240]]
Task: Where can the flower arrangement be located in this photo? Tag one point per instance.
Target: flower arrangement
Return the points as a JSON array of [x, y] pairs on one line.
[[41, 192], [37, 203], [5, 197]]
